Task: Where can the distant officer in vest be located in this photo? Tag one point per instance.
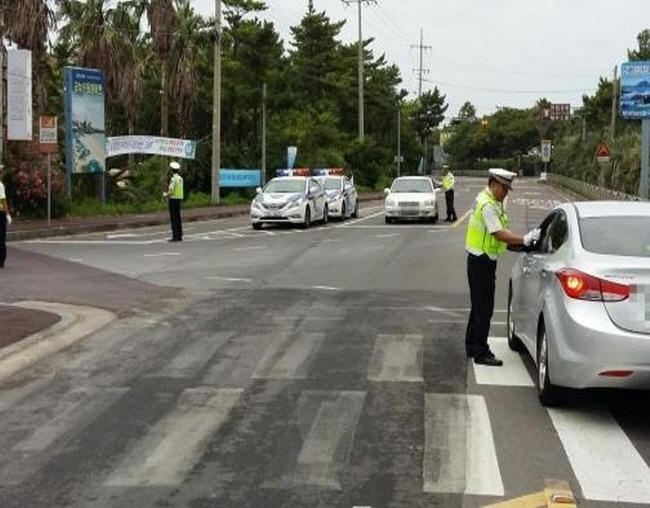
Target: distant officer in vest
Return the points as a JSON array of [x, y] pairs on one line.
[[448, 187], [487, 238], [174, 196]]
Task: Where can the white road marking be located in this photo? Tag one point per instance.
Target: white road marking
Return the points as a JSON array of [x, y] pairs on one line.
[[459, 452], [80, 404], [289, 359], [327, 422], [195, 355], [229, 279], [253, 247], [605, 462], [175, 444], [396, 358], [162, 254], [326, 288], [512, 373]]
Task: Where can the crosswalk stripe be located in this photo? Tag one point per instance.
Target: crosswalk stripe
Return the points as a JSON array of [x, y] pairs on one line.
[[170, 450], [286, 359], [605, 462], [396, 358], [327, 423], [70, 411], [459, 452], [512, 373], [195, 355]]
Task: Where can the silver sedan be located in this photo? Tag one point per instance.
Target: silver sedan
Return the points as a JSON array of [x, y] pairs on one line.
[[579, 301]]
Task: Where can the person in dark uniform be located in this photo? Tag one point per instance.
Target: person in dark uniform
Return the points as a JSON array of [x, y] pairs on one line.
[[487, 238], [5, 218], [174, 195]]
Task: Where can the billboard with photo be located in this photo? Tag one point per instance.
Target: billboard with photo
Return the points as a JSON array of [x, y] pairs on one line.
[[84, 120], [635, 90]]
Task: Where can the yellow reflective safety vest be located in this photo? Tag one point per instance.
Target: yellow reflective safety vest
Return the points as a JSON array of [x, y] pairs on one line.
[[176, 187], [479, 241], [448, 181]]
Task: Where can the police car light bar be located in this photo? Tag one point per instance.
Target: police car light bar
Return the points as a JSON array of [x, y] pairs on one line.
[[293, 172], [328, 171]]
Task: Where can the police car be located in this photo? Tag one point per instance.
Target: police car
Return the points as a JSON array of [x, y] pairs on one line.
[[292, 197], [341, 193]]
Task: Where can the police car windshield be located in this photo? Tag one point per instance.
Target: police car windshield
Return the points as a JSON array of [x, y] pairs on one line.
[[331, 183], [412, 185], [288, 185]]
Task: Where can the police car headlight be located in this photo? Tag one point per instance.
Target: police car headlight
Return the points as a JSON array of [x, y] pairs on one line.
[[430, 202], [390, 203], [294, 204]]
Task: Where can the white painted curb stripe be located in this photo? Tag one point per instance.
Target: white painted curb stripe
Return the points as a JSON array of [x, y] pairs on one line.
[[174, 445], [459, 452], [396, 358], [512, 373], [605, 462]]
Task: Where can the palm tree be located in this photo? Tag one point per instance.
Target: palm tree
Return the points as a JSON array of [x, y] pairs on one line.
[[27, 23], [189, 47], [162, 19]]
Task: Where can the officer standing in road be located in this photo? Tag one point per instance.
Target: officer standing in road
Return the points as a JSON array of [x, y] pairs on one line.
[[4, 219], [448, 186], [487, 237], [174, 195]]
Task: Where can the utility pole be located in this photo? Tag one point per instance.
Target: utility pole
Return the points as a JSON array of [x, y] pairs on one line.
[[263, 134], [614, 97], [420, 70], [2, 115], [399, 139], [216, 105], [360, 70]]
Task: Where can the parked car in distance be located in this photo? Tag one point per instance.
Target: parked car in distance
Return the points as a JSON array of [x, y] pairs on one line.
[[342, 199], [411, 198], [579, 300], [296, 200]]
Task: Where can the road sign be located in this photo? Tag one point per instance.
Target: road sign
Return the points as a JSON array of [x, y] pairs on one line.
[[47, 134], [546, 150], [603, 154]]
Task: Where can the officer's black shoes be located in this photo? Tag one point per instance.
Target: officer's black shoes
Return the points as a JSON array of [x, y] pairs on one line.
[[175, 240], [491, 361]]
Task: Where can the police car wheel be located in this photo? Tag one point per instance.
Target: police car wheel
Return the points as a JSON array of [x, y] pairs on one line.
[[355, 213], [307, 220], [257, 225]]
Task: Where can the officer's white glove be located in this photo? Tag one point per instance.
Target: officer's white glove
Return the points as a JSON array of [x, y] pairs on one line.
[[531, 237], [9, 220]]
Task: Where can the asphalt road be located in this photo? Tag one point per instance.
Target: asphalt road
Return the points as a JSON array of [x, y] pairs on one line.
[[297, 368]]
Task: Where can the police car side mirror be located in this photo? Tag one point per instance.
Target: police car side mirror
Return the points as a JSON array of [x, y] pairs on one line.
[[258, 189], [386, 190]]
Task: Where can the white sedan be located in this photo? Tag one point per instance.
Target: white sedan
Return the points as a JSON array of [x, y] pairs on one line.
[[289, 200], [411, 197]]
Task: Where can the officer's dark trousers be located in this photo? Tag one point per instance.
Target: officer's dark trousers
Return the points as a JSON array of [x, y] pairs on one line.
[[3, 238], [449, 202], [481, 275], [175, 218]]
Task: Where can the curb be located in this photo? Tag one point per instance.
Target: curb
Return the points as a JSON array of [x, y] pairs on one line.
[[76, 323]]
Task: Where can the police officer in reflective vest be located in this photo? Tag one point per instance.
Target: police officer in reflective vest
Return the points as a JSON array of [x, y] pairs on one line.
[[487, 238], [174, 195], [448, 186]]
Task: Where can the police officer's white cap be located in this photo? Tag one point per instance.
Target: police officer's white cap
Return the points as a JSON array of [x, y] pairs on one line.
[[502, 175], [175, 165]]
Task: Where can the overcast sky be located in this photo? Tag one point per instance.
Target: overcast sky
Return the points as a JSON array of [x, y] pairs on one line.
[[492, 53]]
